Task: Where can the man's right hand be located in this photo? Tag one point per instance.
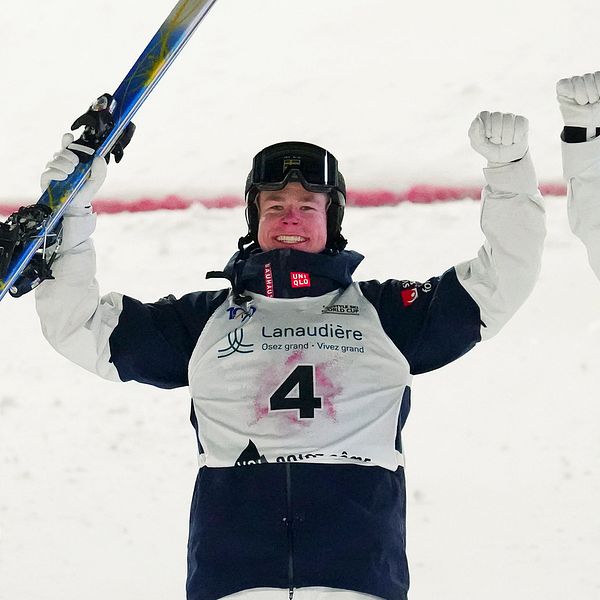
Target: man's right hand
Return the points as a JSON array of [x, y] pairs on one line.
[[63, 163], [579, 100]]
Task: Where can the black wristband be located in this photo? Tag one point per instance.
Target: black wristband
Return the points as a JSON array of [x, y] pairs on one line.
[[576, 135]]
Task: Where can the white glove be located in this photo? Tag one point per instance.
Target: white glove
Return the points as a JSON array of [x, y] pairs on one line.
[[78, 221], [63, 163], [499, 137], [579, 100]]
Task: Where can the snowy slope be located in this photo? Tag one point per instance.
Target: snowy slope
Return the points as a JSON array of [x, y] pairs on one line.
[[502, 446]]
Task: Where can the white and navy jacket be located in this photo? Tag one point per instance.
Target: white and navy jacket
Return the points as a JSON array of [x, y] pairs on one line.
[[299, 396]]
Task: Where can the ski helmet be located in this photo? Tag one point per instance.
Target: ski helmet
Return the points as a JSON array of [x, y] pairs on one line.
[[314, 167]]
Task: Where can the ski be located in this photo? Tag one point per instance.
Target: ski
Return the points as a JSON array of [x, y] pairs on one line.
[[26, 234]]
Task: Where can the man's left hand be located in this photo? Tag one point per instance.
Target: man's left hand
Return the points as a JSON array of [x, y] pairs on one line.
[[500, 137]]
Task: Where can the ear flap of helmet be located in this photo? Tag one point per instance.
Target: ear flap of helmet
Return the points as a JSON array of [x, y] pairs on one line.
[[252, 213], [335, 215]]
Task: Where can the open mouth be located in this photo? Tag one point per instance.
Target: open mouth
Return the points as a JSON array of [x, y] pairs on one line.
[[290, 239]]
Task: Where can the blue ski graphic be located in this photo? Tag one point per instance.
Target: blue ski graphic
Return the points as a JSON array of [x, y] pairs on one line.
[[129, 96]]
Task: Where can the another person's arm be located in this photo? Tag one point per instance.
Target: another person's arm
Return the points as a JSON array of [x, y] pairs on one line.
[[579, 102]]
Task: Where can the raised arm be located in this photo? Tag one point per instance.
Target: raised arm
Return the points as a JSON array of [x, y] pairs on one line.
[[74, 319], [579, 102], [512, 219], [437, 321], [114, 336]]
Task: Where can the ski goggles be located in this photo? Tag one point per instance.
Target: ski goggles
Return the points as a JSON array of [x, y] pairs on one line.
[[314, 167]]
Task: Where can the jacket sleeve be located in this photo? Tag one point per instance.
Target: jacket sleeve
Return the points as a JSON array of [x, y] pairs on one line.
[[117, 337], [581, 169], [435, 322], [507, 266]]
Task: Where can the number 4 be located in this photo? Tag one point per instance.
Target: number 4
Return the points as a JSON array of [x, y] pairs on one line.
[[306, 401]]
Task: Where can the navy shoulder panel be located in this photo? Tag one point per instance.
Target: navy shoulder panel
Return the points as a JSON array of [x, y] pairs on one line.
[[431, 323], [152, 343]]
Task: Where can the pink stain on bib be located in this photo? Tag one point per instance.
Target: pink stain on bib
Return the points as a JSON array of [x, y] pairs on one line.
[[294, 358], [328, 389]]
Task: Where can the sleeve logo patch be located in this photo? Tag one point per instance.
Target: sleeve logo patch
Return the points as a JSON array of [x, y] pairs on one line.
[[409, 296], [299, 280]]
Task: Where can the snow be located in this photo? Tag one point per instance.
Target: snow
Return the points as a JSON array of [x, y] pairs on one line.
[[502, 446]]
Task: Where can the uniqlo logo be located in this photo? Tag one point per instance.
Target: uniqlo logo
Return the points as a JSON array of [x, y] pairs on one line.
[[300, 280], [409, 296]]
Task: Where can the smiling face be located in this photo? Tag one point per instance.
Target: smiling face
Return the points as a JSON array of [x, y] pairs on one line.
[[292, 218]]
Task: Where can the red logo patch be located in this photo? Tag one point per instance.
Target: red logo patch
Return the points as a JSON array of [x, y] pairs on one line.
[[300, 280], [409, 296], [268, 281]]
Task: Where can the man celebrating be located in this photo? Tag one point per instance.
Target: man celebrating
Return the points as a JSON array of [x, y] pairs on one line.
[[300, 377], [579, 101]]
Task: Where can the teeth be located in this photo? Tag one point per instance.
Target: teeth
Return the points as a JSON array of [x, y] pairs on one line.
[[290, 239]]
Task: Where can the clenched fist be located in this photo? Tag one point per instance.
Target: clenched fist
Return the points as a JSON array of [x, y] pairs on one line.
[[500, 137], [579, 100]]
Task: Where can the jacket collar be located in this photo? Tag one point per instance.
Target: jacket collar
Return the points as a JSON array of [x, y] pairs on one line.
[[288, 273]]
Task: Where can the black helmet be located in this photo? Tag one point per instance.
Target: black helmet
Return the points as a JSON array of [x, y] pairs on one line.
[[312, 166]]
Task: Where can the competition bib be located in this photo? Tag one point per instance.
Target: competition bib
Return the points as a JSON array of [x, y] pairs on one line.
[[298, 380]]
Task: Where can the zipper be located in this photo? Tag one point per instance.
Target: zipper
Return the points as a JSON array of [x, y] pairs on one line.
[[289, 520]]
